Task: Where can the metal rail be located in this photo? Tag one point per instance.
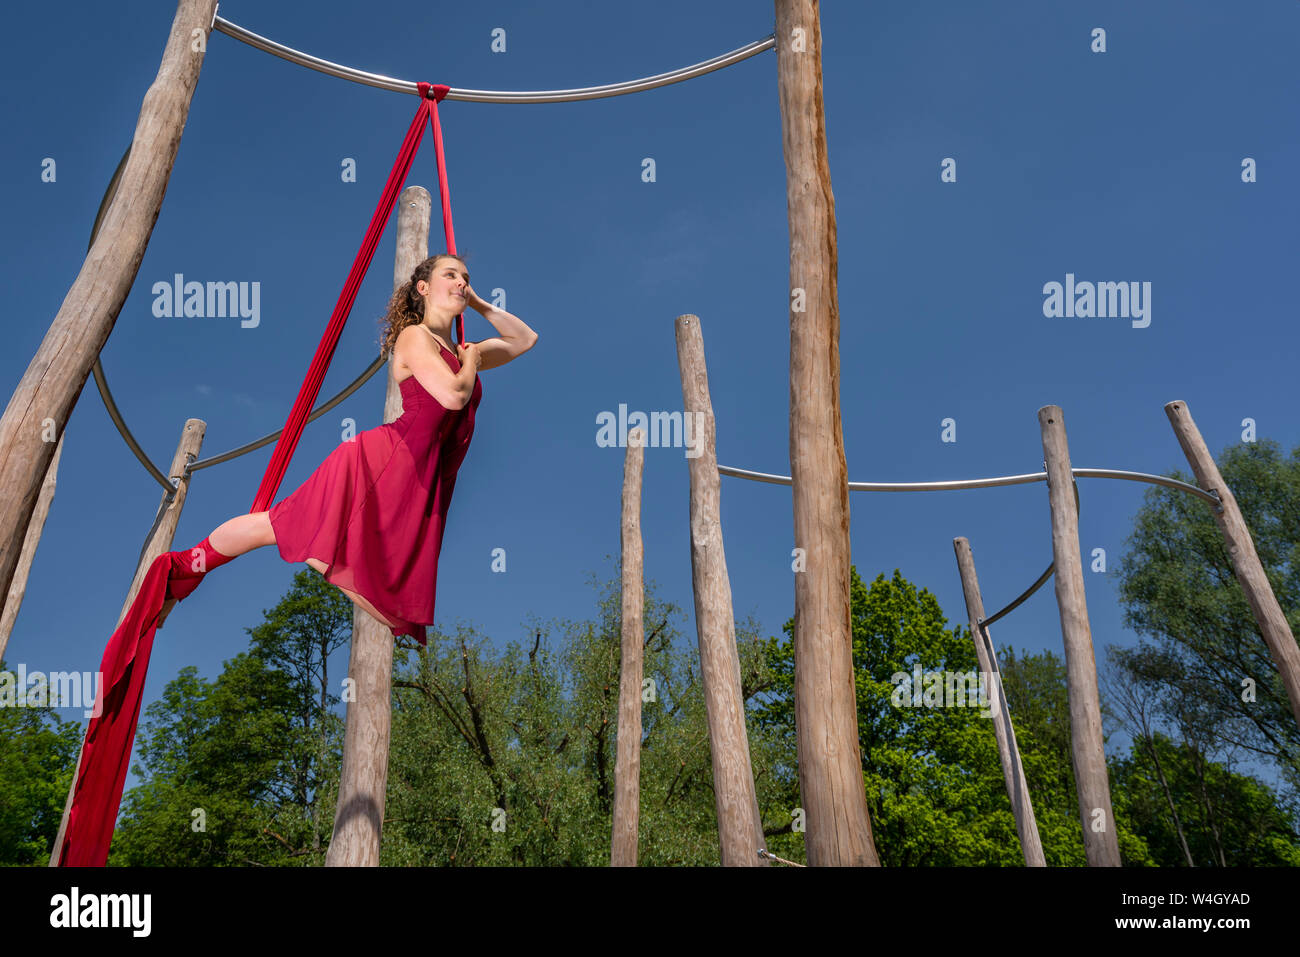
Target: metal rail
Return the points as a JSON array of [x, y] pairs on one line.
[[100, 379], [988, 482], [357, 383], [131, 443], [1042, 580], [984, 623], [493, 96], [991, 483]]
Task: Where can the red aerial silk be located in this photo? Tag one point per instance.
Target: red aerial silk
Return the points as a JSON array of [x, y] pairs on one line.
[[106, 754], [284, 448]]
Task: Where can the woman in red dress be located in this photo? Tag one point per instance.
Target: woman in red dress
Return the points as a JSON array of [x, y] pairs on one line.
[[370, 518]]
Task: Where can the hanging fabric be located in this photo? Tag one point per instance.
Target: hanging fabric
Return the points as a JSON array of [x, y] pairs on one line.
[[110, 736], [311, 386]]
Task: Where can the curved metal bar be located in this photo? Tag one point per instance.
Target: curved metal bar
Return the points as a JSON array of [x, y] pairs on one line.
[[357, 383], [896, 486], [947, 486], [131, 443], [493, 96], [1042, 580], [1210, 497], [105, 393], [100, 380], [987, 483]]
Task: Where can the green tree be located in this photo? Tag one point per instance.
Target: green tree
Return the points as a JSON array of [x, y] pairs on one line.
[[1188, 802], [933, 780], [298, 638], [526, 740], [38, 753], [243, 769], [1039, 701], [1222, 818], [1180, 592]]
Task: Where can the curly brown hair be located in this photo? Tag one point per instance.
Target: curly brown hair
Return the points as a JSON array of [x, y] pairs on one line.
[[406, 307]]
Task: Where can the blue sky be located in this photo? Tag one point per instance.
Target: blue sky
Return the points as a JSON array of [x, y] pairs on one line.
[[1115, 166]]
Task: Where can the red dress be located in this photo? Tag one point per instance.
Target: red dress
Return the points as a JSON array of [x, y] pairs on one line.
[[375, 509]]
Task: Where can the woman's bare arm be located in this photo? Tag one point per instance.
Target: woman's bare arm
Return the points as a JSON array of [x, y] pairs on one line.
[[516, 337], [417, 350]]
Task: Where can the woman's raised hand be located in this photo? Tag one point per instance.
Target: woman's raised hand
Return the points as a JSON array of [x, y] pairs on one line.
[[472, 299], [468, 352]]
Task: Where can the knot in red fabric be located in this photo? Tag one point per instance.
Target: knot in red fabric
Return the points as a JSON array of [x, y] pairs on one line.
[[439, 91]]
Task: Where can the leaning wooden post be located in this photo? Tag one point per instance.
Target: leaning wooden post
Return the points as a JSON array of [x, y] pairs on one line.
[[1241, 549], [157, 541], [31, 538], [363, 778], [1013, 770], [1087, 751], [627, 766], [826, 713], [740, 826], [48, 391]]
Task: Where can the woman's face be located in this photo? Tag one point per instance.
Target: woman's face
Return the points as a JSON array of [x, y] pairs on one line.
[[447, 285]]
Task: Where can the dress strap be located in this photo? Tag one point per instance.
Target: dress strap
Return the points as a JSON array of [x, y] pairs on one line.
[[435, 338]]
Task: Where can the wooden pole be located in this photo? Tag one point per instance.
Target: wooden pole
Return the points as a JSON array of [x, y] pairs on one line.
[[31, 538], [1088, 754], [363, 778], [826, 715], [627, 765], [157, 541], [1013, 770], [49, 388], [740, 826], [1241, 549]]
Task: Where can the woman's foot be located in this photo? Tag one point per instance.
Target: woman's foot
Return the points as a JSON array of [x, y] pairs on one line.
[[188, 568]]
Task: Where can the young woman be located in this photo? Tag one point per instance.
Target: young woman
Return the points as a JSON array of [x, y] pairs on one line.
[[370, 518]]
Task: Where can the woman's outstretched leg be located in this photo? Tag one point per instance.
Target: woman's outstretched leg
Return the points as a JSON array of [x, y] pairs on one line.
[[228, 540], [243, 533]]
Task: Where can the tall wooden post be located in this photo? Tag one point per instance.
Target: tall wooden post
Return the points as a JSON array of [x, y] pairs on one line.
[[627, 766], [826, 714], [157, 541], [1013, 771], [1087, 751], [48, 391], [1241, 549], [31, 538], [740, 826], [363, 778]]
